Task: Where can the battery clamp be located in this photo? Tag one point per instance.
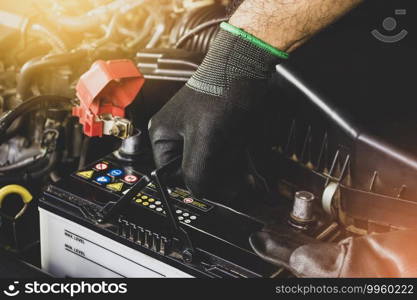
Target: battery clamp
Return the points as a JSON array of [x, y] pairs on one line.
[[103, 93]]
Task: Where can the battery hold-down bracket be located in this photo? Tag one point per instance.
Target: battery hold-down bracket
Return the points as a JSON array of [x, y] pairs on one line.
[[104, 92]]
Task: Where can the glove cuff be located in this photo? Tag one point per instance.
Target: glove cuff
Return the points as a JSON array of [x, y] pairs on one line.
[[234, 56], [254, 40]]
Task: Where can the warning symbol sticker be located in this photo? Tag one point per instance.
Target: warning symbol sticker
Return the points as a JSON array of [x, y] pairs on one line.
[[86, 174], [130, 178], [188, 200], [101, 166], [115, 186]]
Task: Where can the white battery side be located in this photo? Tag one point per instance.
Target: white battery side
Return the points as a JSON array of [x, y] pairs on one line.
[[71, 250]]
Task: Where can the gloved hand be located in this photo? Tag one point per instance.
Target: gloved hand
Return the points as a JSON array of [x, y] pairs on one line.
[[209, 121], [390, 254], [276, 244]]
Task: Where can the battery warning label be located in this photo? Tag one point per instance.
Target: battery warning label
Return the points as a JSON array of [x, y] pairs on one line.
[[130, 178], [101, 166], [109, 176], [86, 174], [115, 186]]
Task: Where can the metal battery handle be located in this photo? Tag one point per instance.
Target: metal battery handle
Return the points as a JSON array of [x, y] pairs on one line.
[[159, 176], [113, 208]]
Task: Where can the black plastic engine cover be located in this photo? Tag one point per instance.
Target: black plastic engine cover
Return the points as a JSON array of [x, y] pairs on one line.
[[343, 109]]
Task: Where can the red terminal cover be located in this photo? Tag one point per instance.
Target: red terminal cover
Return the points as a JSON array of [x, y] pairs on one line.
[[107, 88]]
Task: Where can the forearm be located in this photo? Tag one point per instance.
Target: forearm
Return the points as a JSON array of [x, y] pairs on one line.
[[287, 24]]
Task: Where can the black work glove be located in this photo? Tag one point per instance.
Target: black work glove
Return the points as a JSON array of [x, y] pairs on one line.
[[209, 121], [276, 244], [373, 255]]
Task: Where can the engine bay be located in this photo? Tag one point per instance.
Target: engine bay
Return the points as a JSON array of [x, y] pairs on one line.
[[334, 156]]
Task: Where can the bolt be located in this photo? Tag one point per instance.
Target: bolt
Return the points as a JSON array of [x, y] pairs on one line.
[[187, 256]]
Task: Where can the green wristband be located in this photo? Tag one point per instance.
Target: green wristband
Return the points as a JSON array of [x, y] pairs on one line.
[[254, 40]]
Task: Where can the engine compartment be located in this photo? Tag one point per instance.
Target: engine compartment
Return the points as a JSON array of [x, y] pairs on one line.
[[346, 139]]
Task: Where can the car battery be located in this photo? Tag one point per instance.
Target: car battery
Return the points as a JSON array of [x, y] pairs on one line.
[[139, 238]]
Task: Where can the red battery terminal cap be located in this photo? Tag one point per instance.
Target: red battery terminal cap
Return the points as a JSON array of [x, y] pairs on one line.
[[106, 89]]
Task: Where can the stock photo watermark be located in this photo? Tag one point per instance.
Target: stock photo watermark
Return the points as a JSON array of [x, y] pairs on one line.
[[71, 289], [390, 24]]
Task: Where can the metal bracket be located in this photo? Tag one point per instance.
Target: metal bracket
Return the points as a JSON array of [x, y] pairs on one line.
[[159, 175], [328, 196], [113, 208]]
